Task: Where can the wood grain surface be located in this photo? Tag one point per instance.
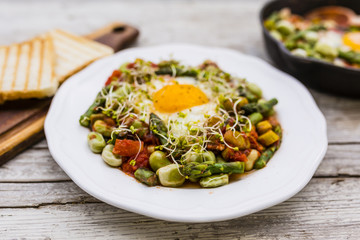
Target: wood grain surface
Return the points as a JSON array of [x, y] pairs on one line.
[[39, 201]]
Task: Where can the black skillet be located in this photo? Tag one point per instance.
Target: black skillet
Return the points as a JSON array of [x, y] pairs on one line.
[[314, 73]]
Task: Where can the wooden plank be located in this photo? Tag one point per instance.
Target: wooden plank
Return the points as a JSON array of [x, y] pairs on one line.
[[340, 160], [37, 194], [22, 136], [342, 117], [37, 165], [320, 211]]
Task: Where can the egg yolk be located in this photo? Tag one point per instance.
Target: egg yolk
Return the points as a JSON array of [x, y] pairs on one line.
[[352, 40], [177, 97]]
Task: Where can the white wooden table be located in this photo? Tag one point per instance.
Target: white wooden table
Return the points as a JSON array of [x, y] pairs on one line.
[[39, 201]]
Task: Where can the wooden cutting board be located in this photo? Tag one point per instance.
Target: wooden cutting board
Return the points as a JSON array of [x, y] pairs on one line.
[[22, 121]]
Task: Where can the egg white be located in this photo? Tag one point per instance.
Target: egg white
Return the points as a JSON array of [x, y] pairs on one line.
[[196, 115]]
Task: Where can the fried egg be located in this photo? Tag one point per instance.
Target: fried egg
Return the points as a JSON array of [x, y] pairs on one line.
[[183, 101], [352, 40]]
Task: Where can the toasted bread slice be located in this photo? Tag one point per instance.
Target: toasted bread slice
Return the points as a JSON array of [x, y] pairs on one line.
[[27, 70], [73, 53]]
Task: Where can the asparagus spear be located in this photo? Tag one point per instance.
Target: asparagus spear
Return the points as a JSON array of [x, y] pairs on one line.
[[197, 170], [264, 158], [85, 118], [262, 107], [214, 181], [158, 127], [179, 72], [146, 176], [350, 56], [278, 131], [268, 153], [255, 117], [173, 67]]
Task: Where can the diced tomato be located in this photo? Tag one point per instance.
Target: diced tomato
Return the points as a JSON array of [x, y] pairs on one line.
[[115, 74], [130, 65], [236, 156], [127, 148], [141, 161], [255, 144], [154, 65], [128, 168], [253, 133]]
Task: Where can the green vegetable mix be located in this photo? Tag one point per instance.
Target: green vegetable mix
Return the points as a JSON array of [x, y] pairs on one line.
[[208, 126], [317, 38]]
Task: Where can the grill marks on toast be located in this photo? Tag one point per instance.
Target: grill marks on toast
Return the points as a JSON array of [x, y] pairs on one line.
[[74, 53], [27, 70], [34, 69], [30, 52]]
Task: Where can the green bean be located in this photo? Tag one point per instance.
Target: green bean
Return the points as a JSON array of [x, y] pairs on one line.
[[146, 176], [169, 176], [326, 49], [214, 181], [270, 22], [285, 27], [276, 35], [311, 36], [255, 89], [158, 159], [255, 117], [109, 157], [208, 157], [96, 142], [299, 52], [192, 157], [101, 127]]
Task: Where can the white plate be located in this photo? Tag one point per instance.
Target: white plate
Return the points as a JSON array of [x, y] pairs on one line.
[[304, 142]]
